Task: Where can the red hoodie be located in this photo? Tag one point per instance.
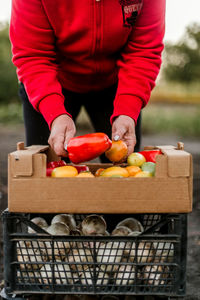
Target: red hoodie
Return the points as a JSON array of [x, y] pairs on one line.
[[85, 45]]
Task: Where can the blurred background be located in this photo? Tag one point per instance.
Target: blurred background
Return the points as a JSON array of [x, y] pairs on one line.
[[174, 107], [172, 115]]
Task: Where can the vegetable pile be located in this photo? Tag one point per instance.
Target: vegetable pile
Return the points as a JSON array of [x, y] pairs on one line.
[[114, 261]]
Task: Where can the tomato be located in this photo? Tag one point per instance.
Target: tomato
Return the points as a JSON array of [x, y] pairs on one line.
[[113, 171], [149, 167], [65, 171], [85, 174], [117, 152], [136, 159], [143, 174], [98, 172], [133, 170]]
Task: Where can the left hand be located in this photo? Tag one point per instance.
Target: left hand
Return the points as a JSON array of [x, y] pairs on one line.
[[123, 128]]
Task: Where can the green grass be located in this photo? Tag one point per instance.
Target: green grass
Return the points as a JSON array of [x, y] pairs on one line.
[[11, 113], [174, 119], [157, 118], [176, 93]]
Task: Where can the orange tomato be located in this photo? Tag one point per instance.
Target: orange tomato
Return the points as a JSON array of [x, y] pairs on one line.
[[113, 171], [133, 170], [85, 174], [98, 172], [117, 152], [65, 171]]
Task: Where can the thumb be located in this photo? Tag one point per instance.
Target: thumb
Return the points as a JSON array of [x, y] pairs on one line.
[[68, 135]]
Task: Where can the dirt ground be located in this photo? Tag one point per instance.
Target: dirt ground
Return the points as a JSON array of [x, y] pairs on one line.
[[10, 136]]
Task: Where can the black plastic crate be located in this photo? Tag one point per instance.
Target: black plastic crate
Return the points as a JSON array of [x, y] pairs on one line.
[[152, 263]]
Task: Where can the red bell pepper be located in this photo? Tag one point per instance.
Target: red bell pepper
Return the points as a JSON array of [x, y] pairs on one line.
[[81, 168], [54, 164], [86, 147], [150, 155]]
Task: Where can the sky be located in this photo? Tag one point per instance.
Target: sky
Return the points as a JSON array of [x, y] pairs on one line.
[[179, 14]]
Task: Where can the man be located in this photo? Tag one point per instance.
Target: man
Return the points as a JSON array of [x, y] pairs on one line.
[[103, 54]]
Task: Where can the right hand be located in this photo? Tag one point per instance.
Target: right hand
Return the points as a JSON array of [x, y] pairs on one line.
[[62, 130]]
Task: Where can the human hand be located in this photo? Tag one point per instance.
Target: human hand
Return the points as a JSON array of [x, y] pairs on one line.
[[123, 128], [62, 130]]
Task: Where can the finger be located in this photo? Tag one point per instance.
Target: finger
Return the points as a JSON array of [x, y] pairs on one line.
[[130, 145], [118, 133], [57, 143]]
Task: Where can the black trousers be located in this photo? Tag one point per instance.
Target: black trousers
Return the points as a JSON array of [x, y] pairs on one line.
[[99, 106]]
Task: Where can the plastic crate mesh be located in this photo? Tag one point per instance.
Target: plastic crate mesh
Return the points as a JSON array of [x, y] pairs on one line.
[[151, 262]]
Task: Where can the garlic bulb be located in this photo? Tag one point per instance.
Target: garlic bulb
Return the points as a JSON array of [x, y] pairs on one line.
[[125, 275], [132, 224], [41, 222], [88, 277], [109, 255], [67, 219], [93, 225]]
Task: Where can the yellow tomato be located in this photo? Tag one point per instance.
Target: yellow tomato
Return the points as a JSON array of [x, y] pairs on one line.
[[85, 174], [65, 171], [143, 174], [117, 152], [133, 170], [136, 159], [110, 172]]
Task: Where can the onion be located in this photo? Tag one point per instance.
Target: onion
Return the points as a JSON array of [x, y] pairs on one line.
[[164, 251], [125, 275], [132, 224], [87, 277], [27, 256], [93, 225], [144, 251], [109, 255], [62, 274], [121, 231], [41, 222], [79, 259], [156, 274], [67, 219]]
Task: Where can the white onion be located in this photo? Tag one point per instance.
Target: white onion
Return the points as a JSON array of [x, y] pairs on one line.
[[125, 275], [41, 222], [132, 224], [109, 255], [67, 219], [87, 277]]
